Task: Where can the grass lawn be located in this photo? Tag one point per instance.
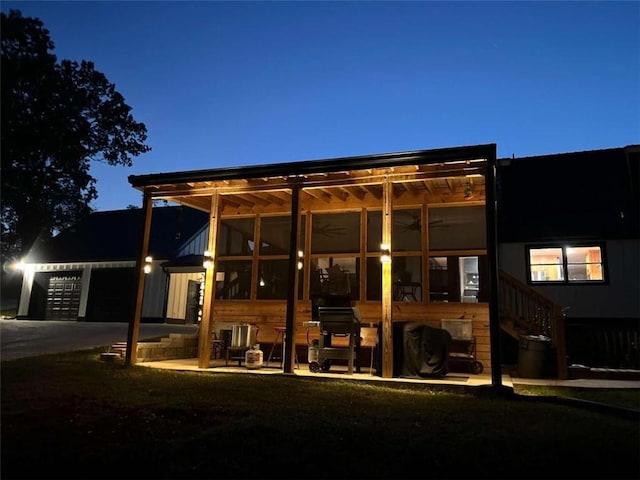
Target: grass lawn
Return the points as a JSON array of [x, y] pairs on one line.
[[73, 416]]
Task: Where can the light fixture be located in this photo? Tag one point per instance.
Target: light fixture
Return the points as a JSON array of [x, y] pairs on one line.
[[385, 253], [300, 261], [147, 265], [207, 259], [19, 265], [468, 193]]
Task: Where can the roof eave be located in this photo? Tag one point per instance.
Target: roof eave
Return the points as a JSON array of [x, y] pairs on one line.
[[441, 155]]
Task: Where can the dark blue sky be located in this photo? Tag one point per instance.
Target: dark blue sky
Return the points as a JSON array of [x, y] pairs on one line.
[[243, 83]]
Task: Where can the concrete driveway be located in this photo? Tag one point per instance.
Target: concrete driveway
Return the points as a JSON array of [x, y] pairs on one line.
[[27, 338]]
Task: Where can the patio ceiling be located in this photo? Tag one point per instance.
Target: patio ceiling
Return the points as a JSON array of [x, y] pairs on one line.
[[440, 176]]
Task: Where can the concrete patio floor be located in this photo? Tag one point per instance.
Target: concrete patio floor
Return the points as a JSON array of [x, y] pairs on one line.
[[339, 372]]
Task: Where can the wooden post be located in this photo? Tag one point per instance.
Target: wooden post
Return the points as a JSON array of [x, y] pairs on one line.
[[206, 323], [387, 284], [292, 287], [134, 323]]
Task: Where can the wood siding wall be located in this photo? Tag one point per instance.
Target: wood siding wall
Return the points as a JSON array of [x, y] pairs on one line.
[[269, 314]]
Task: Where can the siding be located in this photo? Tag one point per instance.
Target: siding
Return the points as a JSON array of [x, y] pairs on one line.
[[177, 297], [616, 299]]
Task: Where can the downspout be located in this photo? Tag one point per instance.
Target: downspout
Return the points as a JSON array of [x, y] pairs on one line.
[[292, 290], [491, 207], [134, 323]]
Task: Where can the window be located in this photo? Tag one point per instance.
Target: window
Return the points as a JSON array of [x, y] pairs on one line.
[[335, 276], [457, 228], [233, 275], [273, 265], [456, 278], [334, 270], [273, 280], [406, 272], [335, 233], [274, 235], [235, 236], [244, 258], [566, 264], [273, 262], [407, 230], [233, 280], [406, 246]]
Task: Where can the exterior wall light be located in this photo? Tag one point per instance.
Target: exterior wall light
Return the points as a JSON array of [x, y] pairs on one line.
[[207, 260], [300, 259], [19, 265], [147, 265], [385, 253]]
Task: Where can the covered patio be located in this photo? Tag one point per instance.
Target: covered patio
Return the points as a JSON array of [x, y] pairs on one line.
[[391, 233]]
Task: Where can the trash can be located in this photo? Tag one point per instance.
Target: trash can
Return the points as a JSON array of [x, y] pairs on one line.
[[533, 356]]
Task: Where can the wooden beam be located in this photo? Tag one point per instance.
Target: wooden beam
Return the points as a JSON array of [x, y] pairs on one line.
[[412, 187], [206, 324], [239, 199], [357, 191], [226, 201], [134, 324], [274, 199], [259, 199], [450, 185], [318, 194], [374, 190], [398, 190], [336, 192], [387, 283]]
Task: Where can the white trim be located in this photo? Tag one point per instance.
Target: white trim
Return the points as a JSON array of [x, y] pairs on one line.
[[84, 292], [53, 267], [25, 293]]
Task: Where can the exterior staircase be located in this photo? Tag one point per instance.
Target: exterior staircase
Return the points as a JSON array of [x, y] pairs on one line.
[[176, 345], [523, 311]]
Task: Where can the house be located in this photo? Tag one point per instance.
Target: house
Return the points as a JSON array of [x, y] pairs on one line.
[[277, 232], [87, 272], [405, 237], [569, 229]]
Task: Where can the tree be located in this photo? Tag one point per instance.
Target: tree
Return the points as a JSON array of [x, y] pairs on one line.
[[57, 118]]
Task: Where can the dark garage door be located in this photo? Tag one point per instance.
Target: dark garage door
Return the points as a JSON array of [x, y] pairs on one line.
[[63, 297], [111, 295]]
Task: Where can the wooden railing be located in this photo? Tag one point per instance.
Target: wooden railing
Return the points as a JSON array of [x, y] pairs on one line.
[[523, 311]]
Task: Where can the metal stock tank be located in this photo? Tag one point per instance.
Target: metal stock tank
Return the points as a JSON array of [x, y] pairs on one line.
[[243, 335]]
